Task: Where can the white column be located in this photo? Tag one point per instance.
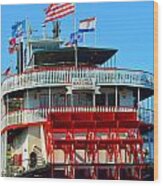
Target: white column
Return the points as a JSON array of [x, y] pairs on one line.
[[116, 96], [27, 99], [72, 100], [138, 101], [50, 98], [106, 99], [7, 108], [5, 151], [3, 155], [94, 99]]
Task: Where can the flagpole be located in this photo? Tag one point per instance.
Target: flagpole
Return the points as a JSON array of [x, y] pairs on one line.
[[11, 65], [84, 40], [27, 28], [44, 31], [26, 43], [95, 39], [75, 45]]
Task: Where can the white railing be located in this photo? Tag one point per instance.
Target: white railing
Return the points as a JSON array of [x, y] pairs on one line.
[[21, 117], [65, 76]]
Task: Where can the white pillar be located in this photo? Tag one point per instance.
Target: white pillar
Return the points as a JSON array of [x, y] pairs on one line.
[[72, 100], [116, 96], [50, 98], [7, 109], [138, 101], [5, 137], [3, 154], [4, 157], [94, 99], [27, 99], [106, 99]]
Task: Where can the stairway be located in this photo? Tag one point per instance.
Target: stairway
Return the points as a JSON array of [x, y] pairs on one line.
[[40, 159]]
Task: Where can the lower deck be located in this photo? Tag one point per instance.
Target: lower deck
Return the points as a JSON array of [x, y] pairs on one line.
[[99, 145], [143, 172]]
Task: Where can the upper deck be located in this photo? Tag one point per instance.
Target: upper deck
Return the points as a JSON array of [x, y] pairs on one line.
[[65, 77]]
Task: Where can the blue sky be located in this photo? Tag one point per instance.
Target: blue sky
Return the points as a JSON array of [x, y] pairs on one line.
[[125, 26]]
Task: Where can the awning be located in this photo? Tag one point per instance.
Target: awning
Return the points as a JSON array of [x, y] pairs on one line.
[[90, 56]]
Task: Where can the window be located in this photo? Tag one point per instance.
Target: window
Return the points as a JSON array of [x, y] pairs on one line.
[[58, 100], [82, 99], [111, 99], [100, 100], [44, 100]]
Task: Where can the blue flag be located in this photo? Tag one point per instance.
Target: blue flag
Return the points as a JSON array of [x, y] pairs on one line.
[[76, 37], [19, 29]]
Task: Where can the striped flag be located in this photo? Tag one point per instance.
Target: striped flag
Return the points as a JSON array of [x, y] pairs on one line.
[[50, 8], [87, 25], [58, 11]]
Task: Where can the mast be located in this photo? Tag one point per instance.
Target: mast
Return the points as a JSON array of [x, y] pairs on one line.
[[75, 44], [56, 29]]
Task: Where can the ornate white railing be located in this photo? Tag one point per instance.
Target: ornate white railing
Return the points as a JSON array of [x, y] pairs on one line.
[[55, 77], [25, 116]]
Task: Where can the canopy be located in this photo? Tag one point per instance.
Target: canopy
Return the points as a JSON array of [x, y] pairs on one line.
[[88, 56]]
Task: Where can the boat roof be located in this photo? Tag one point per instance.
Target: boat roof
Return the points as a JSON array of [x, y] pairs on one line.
[[66, 55]]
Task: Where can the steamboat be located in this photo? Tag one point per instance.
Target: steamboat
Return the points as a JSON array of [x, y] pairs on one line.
[[71, 114]]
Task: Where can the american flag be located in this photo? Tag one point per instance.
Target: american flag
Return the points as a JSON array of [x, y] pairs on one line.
[[51, 8], [58, 11]]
